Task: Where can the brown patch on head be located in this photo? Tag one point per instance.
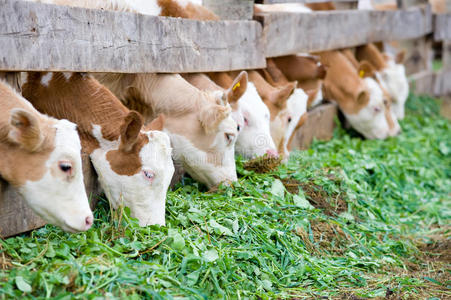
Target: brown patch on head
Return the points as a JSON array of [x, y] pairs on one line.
[[211, 115], [371, 54], [366, 69], [275, 98], [350, 55], [26, 139], [126, 160], [300, 68], [343, 83], [171, 8]]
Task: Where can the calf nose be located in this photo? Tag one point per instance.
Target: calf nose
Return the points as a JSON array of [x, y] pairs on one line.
[[88, 221], [272, 153]]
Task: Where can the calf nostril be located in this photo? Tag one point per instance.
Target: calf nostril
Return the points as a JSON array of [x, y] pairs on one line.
[[88, 221]]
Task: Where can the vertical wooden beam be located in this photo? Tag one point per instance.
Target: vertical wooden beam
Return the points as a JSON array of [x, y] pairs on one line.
[[231, 9]]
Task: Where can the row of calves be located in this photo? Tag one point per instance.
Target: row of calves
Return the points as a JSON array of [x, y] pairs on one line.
[[136, 127]]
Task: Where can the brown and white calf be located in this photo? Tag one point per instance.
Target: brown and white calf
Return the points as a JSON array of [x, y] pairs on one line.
[[296, 103], [363, 102], [390, 73], [254, 138], [133, 162], [275, 99], [41, 158], [165, 8], [200, 125]]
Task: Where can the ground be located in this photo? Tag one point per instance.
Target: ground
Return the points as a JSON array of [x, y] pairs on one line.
[[347, 219]]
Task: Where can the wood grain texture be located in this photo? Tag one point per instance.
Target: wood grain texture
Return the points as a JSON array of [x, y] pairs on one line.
[[436, 84], [289, 33], [43, 37], [442, 27], [231, 9], [17, 217], [319, 125]]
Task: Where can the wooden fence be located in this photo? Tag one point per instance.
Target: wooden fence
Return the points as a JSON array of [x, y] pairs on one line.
[[40, 37]]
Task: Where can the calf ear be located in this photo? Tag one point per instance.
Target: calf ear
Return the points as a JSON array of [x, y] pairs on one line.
[[400, 57], [25, 130], [211, 115], [130, 128], [366, 69], [238, 88], [158, 123], [363, 98], [284, 93]]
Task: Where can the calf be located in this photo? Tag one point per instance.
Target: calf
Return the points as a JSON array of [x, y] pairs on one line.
[[390, 73], [363, 102], [254, 138], [133, 162], [296, 103], [276, 100], [41, 159], [307, 71], [199, 123]]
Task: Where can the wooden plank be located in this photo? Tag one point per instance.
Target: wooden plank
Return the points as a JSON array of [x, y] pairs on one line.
[[435, 84], [442, 27], [418, 55], [319, 125], [289, 33], [231, 9], [17, 217], [446, 55], [42, 37]]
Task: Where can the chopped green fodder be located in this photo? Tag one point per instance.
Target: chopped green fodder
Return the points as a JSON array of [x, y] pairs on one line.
[[347, 219]]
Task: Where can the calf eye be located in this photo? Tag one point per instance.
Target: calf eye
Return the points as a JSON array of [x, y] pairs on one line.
[[238, 128], [246, 121], [149, 175], [377, 109], [289, 119], [65, 166]]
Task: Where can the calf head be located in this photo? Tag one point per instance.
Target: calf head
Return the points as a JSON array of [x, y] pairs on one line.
[[254, 138], [42, 160], [391, 74], [204, 140], [361, 99], [275, 98], [133, 162]]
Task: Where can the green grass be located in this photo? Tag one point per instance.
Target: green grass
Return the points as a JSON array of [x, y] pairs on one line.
[[385, 231]]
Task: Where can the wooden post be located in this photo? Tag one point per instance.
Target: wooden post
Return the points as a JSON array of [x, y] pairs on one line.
[[231, 9]]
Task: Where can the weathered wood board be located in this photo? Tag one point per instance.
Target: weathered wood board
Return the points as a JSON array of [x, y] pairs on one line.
[[289, 33], [432, 83], [17, 217], [231, 9], [41, 37], [319, 125], [418, 55], [442, 27]]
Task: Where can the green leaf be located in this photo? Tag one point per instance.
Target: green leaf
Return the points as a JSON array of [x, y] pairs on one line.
[[23, 285], [301, 202], [219, 229], [277, 188], [210, 255]]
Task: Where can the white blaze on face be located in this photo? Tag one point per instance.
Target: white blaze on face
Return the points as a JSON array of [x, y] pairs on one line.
[[209, 168], [255, 137], [296, 106], [393, 78], [60, 197], [371, 121], [145, 198]]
